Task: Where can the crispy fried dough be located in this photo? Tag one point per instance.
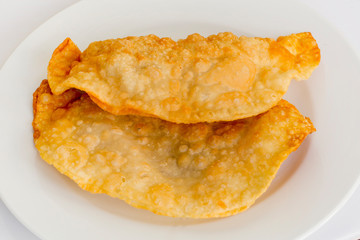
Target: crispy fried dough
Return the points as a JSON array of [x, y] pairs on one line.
[[219, 78], [182, 170]]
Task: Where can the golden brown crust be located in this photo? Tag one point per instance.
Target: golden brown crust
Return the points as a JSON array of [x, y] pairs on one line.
[[63, 58], [44, 88], [182, 170], [45, 103], [219, 78], [307, 54], [123, 110]]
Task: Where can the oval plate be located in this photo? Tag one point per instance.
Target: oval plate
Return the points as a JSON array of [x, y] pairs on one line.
[[311, 185]]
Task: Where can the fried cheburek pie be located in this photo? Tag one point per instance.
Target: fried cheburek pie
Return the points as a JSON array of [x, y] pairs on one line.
[[222, 77], [197, 170]]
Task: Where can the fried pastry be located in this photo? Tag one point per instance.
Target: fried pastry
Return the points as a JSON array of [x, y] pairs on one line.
[[198, 170], [219, 78]]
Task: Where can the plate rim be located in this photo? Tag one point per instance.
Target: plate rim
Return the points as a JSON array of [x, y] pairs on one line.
[[340, 204]]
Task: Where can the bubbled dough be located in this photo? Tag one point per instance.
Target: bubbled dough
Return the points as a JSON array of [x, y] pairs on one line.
[[219, 78], [182, 170]]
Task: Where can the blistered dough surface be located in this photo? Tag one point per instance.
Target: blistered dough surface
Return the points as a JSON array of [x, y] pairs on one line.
[[182, 170], [219, 78]]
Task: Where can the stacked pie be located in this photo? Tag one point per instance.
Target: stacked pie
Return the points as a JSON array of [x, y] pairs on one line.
[[194, 128]]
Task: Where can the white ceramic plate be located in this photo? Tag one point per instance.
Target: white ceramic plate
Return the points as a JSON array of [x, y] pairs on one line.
[[311, 185]]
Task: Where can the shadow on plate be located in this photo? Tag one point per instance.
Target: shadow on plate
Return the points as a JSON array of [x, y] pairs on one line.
[[120, 208], [287, 169]]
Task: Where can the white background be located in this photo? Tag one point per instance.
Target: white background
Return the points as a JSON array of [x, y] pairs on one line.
[[19, 18]]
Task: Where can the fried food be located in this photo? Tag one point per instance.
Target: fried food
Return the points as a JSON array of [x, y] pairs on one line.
[[219, 78], [198, 170]]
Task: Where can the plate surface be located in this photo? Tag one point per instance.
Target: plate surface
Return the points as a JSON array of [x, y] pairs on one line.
[[311, 185]]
